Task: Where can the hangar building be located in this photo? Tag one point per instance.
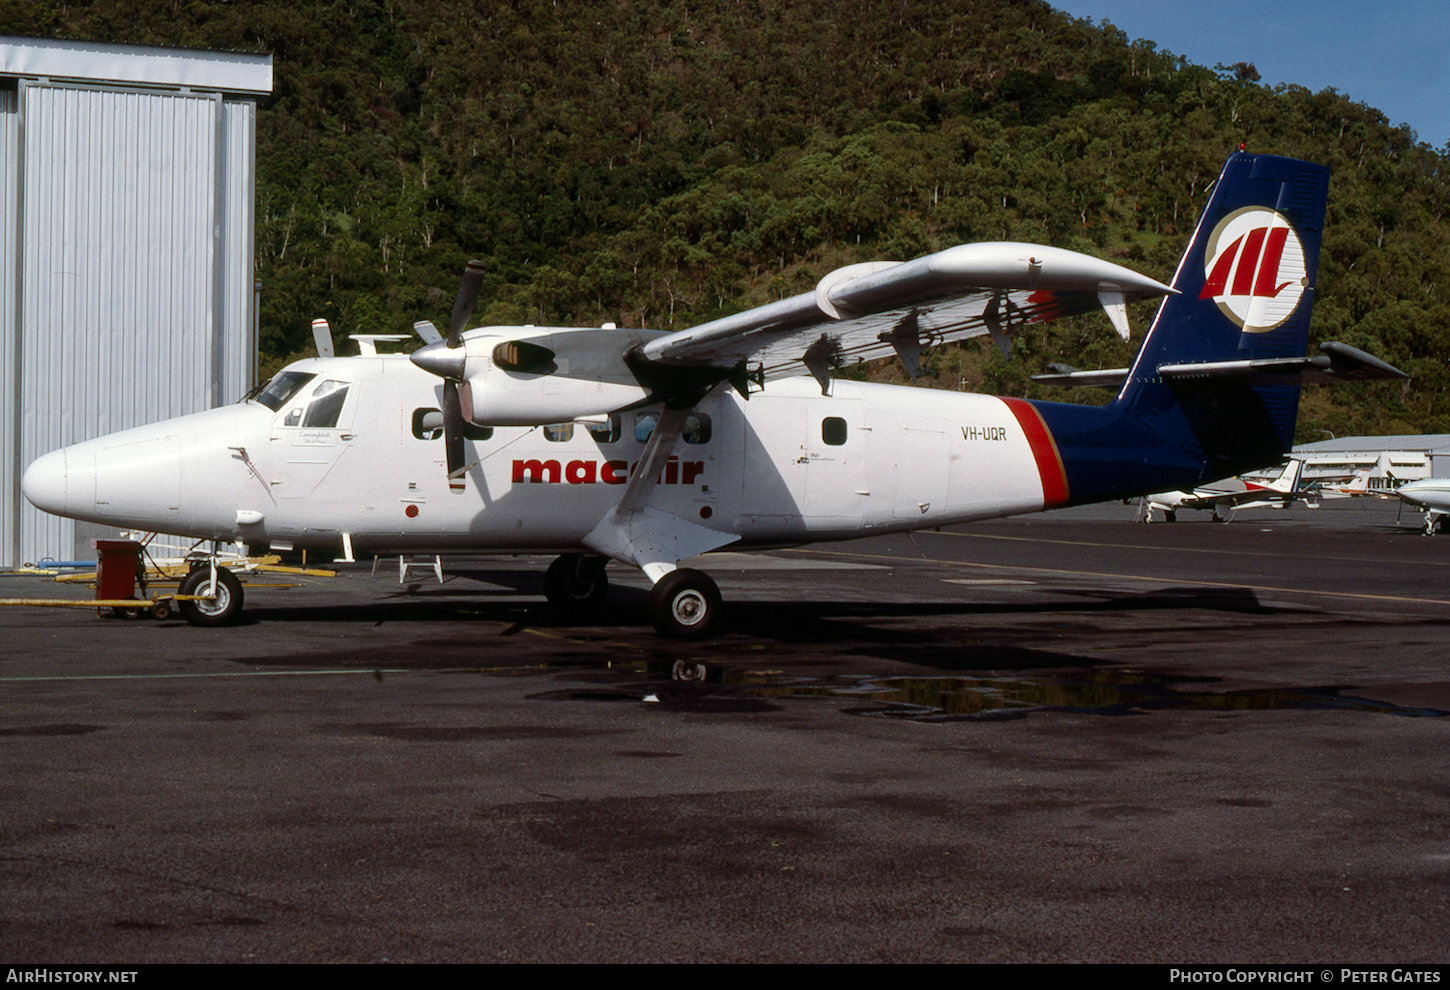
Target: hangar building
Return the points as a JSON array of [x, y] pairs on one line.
[[1386, 461], [127, 292]]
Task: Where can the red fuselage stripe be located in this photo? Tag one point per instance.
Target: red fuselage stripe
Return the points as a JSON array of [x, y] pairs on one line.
[[1044, 452]]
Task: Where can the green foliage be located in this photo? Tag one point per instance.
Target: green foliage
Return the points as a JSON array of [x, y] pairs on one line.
[[664, 164]]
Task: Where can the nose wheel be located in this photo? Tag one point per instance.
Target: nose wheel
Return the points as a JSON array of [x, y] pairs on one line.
[[209, 609], [685, 604]]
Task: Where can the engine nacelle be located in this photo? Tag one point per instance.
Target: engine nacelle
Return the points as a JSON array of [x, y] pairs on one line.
[[548, 376]]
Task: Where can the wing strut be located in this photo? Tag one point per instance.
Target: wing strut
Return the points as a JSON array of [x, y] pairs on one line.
[[651, 539]]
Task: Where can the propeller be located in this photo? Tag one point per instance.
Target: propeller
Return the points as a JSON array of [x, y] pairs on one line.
[[448, 359], [463, 305], [453, 435]]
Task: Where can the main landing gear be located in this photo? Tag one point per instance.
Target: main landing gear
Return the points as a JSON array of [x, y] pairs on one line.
[[575, 583], [684, 604]]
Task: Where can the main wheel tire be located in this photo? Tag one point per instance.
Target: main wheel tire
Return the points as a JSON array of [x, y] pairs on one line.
[[574, 583], [685, 604], [217, 611]]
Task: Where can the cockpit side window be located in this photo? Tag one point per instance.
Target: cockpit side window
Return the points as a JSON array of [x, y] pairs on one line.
[[282, 387], [326, 405]]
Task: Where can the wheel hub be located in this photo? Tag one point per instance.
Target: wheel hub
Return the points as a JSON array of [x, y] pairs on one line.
[[689, 607]]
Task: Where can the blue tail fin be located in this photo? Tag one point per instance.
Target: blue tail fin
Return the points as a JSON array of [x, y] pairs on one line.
[[1244, 290]]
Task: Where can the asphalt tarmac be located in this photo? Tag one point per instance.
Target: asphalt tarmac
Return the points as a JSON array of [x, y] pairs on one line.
[[1064, 737]]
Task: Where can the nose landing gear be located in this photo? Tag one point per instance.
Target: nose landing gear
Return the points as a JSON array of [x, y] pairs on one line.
[[203, 604]]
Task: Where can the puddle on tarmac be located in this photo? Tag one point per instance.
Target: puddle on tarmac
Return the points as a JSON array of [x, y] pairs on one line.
[[1120, 692]]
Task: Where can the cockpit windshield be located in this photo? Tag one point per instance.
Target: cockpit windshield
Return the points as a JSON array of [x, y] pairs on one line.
[[282, 387]]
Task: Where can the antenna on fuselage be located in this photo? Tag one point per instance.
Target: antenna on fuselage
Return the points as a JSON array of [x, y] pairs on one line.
[[322, 337]]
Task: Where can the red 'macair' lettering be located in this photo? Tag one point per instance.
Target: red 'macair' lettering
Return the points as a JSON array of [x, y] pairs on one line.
[[534, 471]]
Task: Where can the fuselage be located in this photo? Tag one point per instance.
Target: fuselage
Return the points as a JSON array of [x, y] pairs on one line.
[[353, 446]]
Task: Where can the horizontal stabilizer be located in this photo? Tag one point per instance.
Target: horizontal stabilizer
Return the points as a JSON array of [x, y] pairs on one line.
[[1338, 363]]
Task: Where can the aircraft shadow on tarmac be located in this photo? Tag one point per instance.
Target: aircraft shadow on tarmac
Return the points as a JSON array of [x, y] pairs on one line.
[[795, 622], [848, 648]]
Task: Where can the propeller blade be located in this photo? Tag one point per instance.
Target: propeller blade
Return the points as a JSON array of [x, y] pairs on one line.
[[427, 332], [453, 434], [463, 305]]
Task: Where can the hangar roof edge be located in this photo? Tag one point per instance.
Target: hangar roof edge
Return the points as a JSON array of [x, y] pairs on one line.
[[1439, 442], [146, 65]]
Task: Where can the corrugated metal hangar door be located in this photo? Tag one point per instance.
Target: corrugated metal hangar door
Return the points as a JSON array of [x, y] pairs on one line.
[[126, 292]]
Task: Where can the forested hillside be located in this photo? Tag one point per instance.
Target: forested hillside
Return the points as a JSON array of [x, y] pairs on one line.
[[661, 164]]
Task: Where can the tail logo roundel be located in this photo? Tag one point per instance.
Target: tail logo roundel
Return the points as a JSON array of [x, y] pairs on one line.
[[1254, 269]]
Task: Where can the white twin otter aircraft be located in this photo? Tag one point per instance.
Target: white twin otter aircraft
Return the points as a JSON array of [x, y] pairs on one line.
[[648, 448]]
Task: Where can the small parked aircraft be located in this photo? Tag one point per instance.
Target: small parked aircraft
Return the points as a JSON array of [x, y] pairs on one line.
[[648, 447], [1223, 497], [1429, 494]]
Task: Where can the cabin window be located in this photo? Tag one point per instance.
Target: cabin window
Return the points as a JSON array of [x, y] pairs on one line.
[[428, 425], [609, 432], [282, 387], [696, 429], [833, 431], [559, 432], [326, 405]]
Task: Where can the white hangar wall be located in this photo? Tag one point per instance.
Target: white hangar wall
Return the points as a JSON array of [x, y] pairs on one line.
[[126, 279]]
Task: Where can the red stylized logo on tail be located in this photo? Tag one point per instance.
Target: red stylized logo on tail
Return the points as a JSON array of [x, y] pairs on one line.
[[1254, 269]]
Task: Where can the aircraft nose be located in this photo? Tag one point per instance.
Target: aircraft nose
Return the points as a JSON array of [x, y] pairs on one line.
[[44, 482]]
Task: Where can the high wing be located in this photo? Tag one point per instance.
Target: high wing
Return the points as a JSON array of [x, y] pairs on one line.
[[877, 309], [529, 376]]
